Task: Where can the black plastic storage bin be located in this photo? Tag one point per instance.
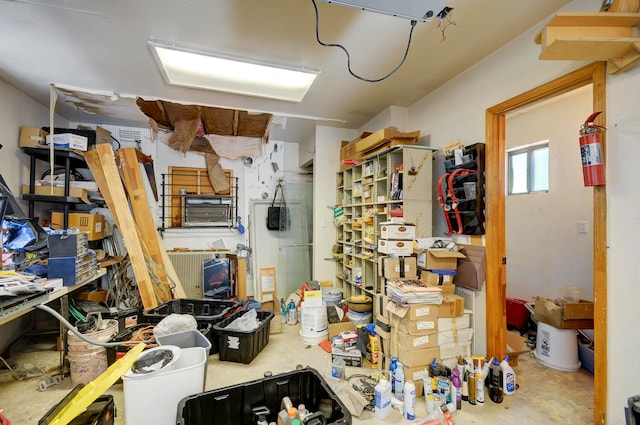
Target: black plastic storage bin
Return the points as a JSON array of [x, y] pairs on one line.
[[206, 312], [239, 346], [241, 404], [101, 412]]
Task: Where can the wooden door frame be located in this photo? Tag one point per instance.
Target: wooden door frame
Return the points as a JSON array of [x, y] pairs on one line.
[[495, 229]]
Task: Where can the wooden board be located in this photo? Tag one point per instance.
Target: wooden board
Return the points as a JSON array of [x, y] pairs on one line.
[[103, 166], [144, 219]]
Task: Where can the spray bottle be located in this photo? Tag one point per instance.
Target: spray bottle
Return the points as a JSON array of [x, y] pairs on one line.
[[457, 388], [399, 384], [428, 393], [508, 377], [292, 314], [392, 372], [409, 400], [495, 382]]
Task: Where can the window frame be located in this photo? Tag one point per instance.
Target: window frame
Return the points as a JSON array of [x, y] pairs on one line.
[[528, 149]]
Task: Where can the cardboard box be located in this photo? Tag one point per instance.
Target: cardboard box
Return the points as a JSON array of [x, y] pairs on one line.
[[413, 342], [439, 277], [568, 316], [68, 140], [452, 306], [439, 259], [337, 328], [413, 358], [350, 357], [396, 247], [413, 312], [471, 271], [454, 323], [398, 268], [516, 345], [93, 224], [391, 230], [454, 350], [454, 336], [32, 136], [382, 136], [57, 191], [414, 327]]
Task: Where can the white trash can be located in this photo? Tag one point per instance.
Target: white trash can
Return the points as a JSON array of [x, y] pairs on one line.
[[152, 398], [557, 348]]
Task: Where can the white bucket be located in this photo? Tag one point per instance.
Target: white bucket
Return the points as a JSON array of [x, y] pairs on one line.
[[154, 398], [313, 319], [557, 348], [331, 296], [313, 338]]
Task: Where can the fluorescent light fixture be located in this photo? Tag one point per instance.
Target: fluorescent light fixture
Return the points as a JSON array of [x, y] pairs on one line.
[[191, 68]]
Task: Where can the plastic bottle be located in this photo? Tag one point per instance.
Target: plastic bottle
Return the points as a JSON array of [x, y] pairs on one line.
[[479, 388], [292, 314], [399, 388], [472, 387], [428, 394], [457, 386], [338, 368], [382, 398], [495, 382], [465, 385], [302, 412], [409, 400], [392, 372], [296, 422], [286, 417], [508, 377], [262, 420]]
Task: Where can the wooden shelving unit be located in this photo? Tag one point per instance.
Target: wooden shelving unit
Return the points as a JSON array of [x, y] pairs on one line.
[[600, 36]]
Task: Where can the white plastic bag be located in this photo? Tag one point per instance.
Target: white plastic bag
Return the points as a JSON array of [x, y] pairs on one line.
[[175, 323], [248, 322]]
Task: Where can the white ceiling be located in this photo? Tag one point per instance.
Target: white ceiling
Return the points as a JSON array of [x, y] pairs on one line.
[[101, 47]]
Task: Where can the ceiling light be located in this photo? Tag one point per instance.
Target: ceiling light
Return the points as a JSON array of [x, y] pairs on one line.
[[191, 68]]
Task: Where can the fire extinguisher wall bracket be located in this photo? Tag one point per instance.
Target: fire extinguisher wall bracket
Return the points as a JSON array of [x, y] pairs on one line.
[[593, 172]]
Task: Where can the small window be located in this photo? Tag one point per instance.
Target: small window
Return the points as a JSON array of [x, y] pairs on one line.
[[528, 168]]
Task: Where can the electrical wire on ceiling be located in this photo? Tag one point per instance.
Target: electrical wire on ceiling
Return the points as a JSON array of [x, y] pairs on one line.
[[369, 80]]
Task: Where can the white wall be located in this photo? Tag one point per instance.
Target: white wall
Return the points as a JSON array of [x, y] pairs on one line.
[[542, 228], [17, 110], [326, 164], [457, 110]]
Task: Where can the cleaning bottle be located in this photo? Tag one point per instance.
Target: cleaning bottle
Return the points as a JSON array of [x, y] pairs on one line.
[[434, 372], [457, 385], [508, 377], [392, 372], [262, 420], [292, 314], [495, 382], [409, 400], [302, 412], [428, 393], [399, 388], [382, 398], [286, 417]]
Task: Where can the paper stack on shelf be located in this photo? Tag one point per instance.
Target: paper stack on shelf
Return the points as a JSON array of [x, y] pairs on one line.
[[412, 291]]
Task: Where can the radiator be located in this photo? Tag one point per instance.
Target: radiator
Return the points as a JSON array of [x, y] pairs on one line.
[[188, 266]]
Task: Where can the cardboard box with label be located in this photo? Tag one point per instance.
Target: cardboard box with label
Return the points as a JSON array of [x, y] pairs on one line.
[[413, 342], [68, 140], [414, 312], [438, 277], [393, 230], [413, 358], [452, 306], [32, 137], [93, 224], [398, 268], [414, 327], [439, 259], [567, 316], [395, 247]]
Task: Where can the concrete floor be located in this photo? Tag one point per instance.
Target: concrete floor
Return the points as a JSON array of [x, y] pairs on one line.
[[544, 396]]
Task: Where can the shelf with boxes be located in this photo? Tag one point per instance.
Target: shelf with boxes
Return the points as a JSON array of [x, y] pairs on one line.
[[394, 183]]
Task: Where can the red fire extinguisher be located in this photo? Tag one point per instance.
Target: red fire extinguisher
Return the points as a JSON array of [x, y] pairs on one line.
[[591, 152]]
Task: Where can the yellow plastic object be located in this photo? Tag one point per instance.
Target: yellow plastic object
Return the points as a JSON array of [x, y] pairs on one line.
[[97, 387]]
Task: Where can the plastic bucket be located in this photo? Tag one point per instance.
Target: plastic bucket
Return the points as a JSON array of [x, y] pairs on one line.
[[88, 361], [359, 318], [313, 319], [187, 339], [557, 348], [313, 338], [331, 296], [154, 398]]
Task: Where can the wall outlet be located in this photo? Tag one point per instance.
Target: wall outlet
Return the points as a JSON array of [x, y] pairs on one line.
[[582, 226]]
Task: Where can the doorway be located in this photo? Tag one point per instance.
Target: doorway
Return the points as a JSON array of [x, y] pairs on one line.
[[495, 207]]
